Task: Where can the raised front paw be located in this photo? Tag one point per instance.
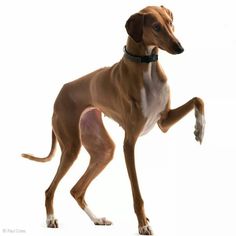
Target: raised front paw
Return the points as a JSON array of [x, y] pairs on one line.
[[199, 126], [145, 230]]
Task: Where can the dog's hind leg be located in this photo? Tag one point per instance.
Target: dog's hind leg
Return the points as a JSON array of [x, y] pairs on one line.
[[69, 140], [99, 145]]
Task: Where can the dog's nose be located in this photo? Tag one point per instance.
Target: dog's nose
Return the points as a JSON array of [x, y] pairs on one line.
[[178, 48]]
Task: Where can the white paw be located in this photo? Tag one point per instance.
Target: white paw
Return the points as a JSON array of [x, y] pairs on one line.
[[145, 230], [199, 126], [96, 220], [51, 222], [102, 221]]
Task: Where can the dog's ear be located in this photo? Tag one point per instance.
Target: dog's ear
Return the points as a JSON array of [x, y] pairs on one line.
[[134, 27], [168, 12]]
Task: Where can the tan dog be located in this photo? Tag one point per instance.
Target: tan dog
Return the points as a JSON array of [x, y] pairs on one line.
[[134, 93]]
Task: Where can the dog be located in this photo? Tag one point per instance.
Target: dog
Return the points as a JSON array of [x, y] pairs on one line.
[[134, 93]]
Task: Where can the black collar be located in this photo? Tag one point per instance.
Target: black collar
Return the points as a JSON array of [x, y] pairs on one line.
[[140, 59]]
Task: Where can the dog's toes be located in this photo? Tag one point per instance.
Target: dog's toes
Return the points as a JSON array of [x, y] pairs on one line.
[[199, 133], [199, 126], [102, 221], [145, 230], [52, 222]]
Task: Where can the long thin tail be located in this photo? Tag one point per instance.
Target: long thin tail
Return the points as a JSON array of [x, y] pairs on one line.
[[44, 159]]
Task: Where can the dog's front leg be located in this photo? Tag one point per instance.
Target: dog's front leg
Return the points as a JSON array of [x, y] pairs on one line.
[[170, 117], [144, 228]]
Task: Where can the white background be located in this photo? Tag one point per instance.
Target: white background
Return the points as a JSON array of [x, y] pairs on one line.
[[188, 189]]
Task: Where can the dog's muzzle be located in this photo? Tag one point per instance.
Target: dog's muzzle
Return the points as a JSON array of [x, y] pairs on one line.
[[178, 48]]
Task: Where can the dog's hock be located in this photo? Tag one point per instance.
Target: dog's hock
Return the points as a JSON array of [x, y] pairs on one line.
[[199, 126]]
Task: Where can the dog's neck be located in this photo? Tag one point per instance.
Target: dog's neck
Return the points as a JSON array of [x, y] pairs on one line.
[[140, 49]]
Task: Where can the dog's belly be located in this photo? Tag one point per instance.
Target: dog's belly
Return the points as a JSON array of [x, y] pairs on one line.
[[154, 98]]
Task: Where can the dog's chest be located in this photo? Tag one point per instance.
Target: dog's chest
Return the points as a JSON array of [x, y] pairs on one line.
[[154, 98]]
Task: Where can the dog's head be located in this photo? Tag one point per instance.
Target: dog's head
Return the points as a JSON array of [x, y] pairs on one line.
[[154, 27]]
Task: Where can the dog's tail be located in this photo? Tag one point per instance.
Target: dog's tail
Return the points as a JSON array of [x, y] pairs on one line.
[[44, 159]]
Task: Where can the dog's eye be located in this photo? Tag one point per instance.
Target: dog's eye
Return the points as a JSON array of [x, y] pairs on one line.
[[157, 27]]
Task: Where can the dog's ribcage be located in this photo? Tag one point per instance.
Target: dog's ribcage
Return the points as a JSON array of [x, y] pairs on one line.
[[154, 97]]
